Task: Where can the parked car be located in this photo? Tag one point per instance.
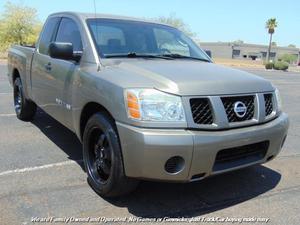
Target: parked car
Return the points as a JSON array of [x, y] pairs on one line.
[[145, 101]]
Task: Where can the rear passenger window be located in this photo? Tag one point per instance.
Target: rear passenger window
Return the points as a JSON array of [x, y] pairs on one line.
[[48, 34], [68, 32]]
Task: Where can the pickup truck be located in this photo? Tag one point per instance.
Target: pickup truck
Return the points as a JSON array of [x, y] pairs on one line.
[[145, 101]]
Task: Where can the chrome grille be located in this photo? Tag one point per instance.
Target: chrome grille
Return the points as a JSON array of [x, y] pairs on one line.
[[229, 102], [268, 104], [201, 111]]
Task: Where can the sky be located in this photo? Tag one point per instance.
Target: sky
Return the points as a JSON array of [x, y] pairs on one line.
[[213, 20]]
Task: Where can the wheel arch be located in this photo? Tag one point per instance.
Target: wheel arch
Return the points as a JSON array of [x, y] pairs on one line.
[[89, 110], [15, 74]]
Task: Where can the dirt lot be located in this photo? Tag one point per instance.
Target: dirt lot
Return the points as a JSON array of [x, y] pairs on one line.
[[249, 64], [41, 176]]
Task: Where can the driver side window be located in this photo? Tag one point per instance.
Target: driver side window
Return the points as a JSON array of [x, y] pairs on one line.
[[167, 43], [47, 35], [68, 32]]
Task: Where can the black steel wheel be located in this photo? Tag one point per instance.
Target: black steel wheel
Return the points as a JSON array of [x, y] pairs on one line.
[[18, 97], [24, 108], [99, 156], [103, 157]]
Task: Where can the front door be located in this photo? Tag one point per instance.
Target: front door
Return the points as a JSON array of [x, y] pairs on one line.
[[51, 78], [63, 71]]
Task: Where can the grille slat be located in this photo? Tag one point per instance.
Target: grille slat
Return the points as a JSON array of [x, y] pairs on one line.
[[268, 104], [201, 111], [229, 102]]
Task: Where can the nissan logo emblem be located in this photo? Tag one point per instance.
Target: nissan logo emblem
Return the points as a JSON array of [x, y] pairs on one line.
[[240, 109]]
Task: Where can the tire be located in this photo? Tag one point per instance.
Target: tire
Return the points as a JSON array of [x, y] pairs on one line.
[[24, 108], [103, 158]]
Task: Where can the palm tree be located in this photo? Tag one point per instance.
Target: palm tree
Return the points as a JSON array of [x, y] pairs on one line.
[[271, 24]]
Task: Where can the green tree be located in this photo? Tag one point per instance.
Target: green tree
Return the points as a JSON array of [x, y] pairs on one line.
[[177, 22], [18, 25], [271, 24], [274, 43], [289, 58], [292, 46]]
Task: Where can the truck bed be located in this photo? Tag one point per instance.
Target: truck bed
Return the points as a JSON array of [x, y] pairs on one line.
[[20, 57]]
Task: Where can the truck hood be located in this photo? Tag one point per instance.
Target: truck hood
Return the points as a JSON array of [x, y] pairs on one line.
[[187, 77]]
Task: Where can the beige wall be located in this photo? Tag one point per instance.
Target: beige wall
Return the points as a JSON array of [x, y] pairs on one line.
[[224, 49]]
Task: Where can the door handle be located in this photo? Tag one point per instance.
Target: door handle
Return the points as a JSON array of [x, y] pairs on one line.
[[48, 66]]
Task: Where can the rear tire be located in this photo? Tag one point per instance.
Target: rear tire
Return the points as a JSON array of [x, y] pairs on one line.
[[103, 158], [24, 108]]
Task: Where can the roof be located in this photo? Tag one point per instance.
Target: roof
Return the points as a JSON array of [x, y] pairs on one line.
[[85, 16]]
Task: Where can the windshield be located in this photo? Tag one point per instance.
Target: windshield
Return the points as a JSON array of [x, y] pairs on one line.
[[119, 38]]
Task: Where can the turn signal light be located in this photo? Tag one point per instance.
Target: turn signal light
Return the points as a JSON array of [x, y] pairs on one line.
[[133, 106]]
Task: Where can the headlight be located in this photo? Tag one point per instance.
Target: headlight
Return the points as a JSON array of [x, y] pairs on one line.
[[278, 99], [153, 105]]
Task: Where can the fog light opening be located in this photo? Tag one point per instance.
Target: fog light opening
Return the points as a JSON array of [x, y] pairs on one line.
[[174, 164]]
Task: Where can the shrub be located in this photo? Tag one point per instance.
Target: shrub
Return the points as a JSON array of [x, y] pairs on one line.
[[280, 65], [269, 65]]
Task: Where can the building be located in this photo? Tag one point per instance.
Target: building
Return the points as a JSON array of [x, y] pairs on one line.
[[233, 50]]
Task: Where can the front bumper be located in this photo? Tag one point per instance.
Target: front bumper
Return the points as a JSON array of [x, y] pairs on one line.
[[146, 151]]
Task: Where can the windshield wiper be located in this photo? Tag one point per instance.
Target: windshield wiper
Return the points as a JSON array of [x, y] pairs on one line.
[[136, 55], [178, 56]]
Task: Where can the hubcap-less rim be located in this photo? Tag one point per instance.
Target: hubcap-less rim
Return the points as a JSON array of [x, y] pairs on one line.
[[99, 156], [18, 99]]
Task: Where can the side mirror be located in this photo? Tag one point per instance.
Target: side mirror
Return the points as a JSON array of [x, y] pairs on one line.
[[208, 52], [62, 50]]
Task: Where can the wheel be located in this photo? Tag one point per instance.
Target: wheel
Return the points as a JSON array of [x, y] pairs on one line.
[[25, 109], [103, 158]]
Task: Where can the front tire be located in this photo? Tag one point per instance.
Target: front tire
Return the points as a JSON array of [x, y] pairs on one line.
[[103, 158], [24, 108]]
